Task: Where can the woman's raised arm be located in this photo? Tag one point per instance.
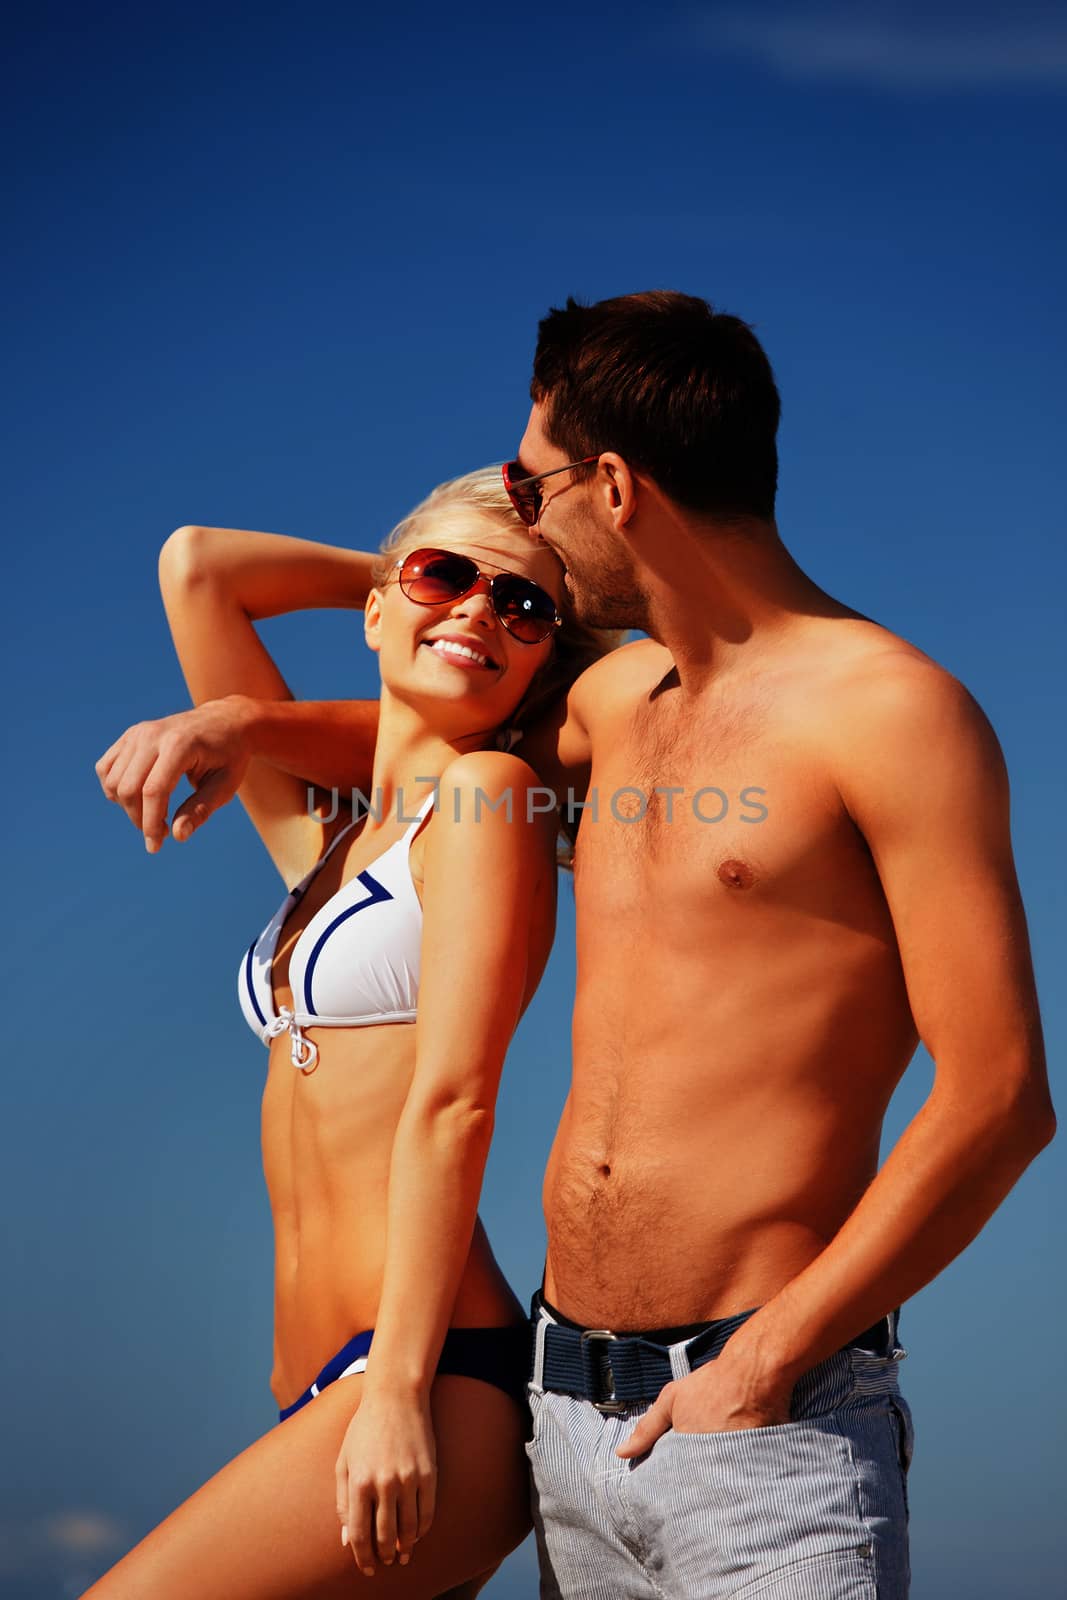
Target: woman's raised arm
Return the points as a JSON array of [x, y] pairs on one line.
[[216, 584]]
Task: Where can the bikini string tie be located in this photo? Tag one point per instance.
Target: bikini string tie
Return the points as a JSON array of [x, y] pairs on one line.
[[303, 1052]]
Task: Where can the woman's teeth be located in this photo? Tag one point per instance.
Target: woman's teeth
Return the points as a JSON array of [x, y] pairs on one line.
[[449, 647]]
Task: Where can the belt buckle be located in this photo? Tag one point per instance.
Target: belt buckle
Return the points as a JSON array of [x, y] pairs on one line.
[[611, 1406]]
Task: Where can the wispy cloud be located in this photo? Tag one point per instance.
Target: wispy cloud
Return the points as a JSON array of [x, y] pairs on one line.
[[82, 1533], [895, 47], [68, 1548]]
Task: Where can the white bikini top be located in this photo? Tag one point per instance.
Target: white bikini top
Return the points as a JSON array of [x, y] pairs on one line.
[[356, 962]]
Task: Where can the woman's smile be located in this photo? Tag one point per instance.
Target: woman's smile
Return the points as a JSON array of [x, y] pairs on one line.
[[463, 652]]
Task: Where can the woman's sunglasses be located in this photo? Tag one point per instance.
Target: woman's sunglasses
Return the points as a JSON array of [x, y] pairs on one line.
[[525, 492], [435, 577]]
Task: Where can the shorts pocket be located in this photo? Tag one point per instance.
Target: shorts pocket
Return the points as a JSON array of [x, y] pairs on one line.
[[846, 1575], [535, 1402], [817, 1395], [907, 1429], [768, 1429], [762, 1498], [904, 1439]]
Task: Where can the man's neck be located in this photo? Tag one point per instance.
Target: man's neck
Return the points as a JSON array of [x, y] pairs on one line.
[[720, 596]]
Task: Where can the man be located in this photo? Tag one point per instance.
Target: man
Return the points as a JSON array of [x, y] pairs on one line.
[[793, 863]]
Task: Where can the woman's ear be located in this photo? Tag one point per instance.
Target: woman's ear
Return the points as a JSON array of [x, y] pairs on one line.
[[372, 620]]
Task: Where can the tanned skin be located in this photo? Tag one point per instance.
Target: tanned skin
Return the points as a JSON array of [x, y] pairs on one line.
[[374, 1150], [751, 987]]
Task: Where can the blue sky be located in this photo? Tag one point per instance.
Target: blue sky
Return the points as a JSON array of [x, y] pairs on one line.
[[281, 267]]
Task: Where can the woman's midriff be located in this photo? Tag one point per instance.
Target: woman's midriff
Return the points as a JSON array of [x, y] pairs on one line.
[[327, 1146]]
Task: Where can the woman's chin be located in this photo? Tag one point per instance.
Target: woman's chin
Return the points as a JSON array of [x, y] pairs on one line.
[[455, 704]]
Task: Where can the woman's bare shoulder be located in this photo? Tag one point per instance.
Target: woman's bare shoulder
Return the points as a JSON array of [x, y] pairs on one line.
[[490, 770]]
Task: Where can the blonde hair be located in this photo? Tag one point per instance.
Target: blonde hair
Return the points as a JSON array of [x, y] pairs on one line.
[[448, 509]]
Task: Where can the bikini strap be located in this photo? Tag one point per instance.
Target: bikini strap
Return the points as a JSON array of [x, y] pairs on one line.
[[338, 836], [407, 838], [426, 804]]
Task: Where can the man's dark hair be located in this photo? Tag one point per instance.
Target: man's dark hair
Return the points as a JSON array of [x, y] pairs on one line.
[[682, 392]]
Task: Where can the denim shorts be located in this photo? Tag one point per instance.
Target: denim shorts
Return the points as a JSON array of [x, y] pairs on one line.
[[811, 1509]]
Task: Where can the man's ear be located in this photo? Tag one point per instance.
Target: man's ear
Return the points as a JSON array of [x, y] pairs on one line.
[[620, 487], [372, 620]]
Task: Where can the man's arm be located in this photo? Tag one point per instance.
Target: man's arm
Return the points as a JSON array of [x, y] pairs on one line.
[[922, 775], [559, 744], [327, 743]]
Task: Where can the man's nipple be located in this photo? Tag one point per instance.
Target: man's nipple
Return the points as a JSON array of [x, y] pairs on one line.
[[736, 874]]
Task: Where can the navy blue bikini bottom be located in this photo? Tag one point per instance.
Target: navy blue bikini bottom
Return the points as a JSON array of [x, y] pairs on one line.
[[500, 1356]]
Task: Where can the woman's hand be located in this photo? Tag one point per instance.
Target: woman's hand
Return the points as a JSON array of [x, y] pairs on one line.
[[387, 1479]]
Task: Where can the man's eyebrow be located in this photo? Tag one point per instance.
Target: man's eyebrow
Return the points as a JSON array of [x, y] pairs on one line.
[[524, 469]]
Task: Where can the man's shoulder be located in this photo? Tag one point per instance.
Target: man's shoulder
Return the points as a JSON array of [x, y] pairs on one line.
[[885, 697], [881, 671], [628, 670]]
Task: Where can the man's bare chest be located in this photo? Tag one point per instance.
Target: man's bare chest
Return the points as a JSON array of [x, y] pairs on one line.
[[732, 808]]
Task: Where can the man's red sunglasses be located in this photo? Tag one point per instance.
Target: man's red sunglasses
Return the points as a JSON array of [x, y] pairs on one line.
[[525, 493]]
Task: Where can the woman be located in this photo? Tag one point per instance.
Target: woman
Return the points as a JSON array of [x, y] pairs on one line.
[[387, 987]]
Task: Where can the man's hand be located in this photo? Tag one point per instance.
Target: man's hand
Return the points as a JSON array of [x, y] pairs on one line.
[[719, 1397], [207, 745]]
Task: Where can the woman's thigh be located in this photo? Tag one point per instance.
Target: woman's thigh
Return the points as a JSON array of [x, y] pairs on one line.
[[265, 1526]]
